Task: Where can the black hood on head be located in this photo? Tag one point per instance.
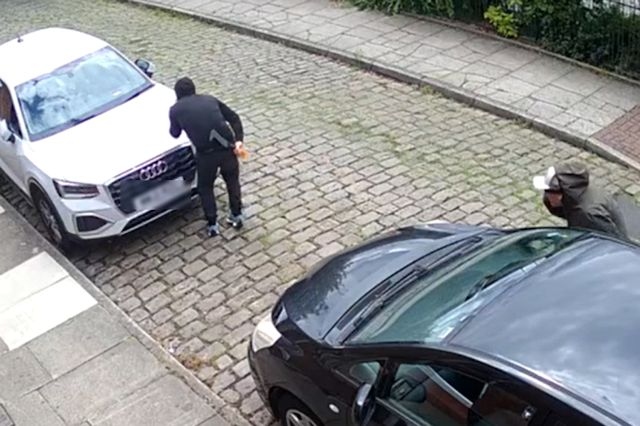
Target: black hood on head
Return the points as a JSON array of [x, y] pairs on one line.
[[573, 179], [184, 87]]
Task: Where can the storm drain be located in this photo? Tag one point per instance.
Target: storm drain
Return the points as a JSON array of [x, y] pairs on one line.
[[5, 420]]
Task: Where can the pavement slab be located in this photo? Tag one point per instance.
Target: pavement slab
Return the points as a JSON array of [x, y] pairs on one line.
[[165, 401], [76, 341], [66, 359]]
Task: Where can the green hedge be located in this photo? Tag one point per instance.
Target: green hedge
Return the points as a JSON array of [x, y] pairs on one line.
[[602, 36]]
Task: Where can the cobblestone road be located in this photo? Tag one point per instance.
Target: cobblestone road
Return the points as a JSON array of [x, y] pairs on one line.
[[337, 155]]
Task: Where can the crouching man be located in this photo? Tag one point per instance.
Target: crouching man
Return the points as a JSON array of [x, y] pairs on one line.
[[569, 194]]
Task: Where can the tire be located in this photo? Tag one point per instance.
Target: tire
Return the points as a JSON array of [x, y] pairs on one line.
[[51, 220], [292, 412]]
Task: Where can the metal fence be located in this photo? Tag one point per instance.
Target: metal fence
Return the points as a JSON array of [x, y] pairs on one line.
[[606, 38], [627, 7]]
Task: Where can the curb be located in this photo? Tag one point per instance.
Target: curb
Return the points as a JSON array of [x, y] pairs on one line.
[[449, 91], [218, 404]]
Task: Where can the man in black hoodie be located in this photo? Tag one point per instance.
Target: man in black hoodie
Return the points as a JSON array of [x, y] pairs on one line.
[[569, 194], [215, 130]]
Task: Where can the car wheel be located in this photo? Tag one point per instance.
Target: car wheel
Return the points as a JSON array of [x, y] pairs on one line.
[[51, 220], [293, 412]]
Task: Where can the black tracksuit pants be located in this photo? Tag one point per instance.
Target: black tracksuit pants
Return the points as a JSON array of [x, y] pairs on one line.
[[208, 165]]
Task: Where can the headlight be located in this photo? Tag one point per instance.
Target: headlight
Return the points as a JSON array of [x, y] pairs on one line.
[[265, 334], [75, 190]]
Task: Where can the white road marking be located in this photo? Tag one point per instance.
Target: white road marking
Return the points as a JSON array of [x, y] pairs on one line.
[[1, 209], [28, 278], [36, 297]]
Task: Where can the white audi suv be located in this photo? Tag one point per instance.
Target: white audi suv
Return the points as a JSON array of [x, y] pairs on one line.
[[84, 134]]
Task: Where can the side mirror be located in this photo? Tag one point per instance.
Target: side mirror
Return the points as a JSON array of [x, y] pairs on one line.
[[364, 405], [5, 133], [147, 67]]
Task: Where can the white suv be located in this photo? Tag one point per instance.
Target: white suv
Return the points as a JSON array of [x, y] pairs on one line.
[[84, 134]]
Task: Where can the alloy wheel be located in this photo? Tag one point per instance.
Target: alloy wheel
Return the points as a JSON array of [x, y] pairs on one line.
[[50, 221], [298, 418]]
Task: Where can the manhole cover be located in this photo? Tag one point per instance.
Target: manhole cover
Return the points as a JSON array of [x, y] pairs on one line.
[[5, 420]]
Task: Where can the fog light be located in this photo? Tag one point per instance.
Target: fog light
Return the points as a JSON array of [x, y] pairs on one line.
[[89, 223]]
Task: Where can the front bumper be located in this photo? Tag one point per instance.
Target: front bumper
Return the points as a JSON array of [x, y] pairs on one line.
[[257, 379], [98, 218]]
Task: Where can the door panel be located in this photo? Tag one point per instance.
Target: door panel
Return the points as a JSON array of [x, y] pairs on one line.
[[435, 395]]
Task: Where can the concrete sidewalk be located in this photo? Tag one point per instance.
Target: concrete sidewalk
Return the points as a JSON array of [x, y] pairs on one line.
[[559, 97], [68, 358]]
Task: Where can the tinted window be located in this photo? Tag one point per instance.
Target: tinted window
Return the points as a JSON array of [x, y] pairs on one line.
[[365, 372], [438, 396], [90, 85], [431, 308]]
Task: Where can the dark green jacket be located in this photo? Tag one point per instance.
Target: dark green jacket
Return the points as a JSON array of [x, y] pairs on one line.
[[585, 205]]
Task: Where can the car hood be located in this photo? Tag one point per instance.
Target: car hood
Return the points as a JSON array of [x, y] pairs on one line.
[[325, 294], [111, 143]]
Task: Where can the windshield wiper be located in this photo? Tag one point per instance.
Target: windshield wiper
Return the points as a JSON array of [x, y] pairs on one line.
[[79, 120], [392, 289], [135, 94], [488, 280], [75, 121]]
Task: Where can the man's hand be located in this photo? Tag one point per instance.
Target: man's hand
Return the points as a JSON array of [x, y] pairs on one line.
[[240, 151]]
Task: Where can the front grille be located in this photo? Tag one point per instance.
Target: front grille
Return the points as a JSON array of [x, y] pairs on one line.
[[180, 163]]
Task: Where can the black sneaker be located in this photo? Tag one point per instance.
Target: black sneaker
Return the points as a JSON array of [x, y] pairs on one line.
[[235, 221], [213, 230]]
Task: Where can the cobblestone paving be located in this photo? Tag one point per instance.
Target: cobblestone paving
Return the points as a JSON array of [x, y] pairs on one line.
[[337, 155]]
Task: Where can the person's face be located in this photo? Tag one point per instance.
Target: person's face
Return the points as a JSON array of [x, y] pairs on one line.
[[555, 198]]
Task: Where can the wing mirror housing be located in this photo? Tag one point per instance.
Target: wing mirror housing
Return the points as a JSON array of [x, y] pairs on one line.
[[364, 405], [5, 133], [147, 67]]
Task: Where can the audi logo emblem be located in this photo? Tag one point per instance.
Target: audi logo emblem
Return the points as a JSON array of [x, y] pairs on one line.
[[153, 171]]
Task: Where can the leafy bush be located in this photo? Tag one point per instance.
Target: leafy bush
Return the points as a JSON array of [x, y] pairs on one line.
[[600, 35], [505, 23]]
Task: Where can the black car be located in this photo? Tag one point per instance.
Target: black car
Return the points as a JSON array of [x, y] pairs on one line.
[[451, 325]]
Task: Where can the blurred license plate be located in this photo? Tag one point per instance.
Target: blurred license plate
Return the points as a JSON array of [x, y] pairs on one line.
[[160, 195]]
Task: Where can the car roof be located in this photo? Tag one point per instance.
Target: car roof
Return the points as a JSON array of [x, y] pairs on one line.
[[32, 55], [575, 321]]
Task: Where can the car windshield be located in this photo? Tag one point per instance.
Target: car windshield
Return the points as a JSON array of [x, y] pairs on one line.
[[78, 91], [433, 307]]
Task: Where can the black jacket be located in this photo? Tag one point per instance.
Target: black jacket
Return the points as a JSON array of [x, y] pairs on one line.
[[197, 115], [585, 205]]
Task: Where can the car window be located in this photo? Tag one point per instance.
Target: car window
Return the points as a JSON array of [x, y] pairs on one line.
[[438, 396], [432, 308], [78, 91], [364, 372]]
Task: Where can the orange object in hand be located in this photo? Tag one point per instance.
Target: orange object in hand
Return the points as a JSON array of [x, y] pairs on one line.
[[241, 152]]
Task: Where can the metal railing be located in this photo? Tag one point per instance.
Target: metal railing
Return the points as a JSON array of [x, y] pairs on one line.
[[627, 7], [612, 41]]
